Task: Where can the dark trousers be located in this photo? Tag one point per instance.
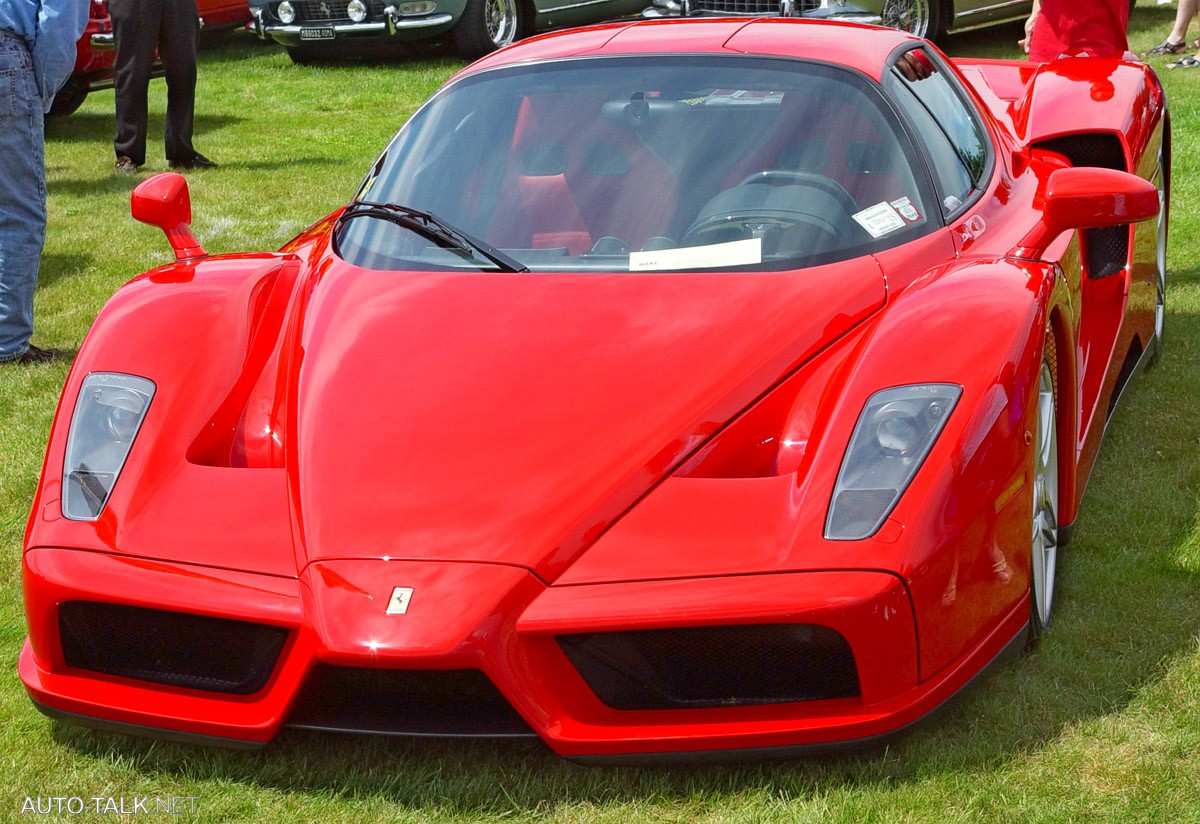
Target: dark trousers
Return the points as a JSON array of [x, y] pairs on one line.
[[139, 28]]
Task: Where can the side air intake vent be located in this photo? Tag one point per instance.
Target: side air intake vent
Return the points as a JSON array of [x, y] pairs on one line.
[[723, 666], [174, 648], [1105, 250]]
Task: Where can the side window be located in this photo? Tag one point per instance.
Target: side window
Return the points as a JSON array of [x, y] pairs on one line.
[[951, 136]]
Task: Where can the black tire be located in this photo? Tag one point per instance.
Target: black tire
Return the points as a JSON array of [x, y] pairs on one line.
[[487, 25], [924, 18], [69, 98], [1044, 541]]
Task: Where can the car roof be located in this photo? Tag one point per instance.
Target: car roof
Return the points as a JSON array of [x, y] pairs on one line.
[[857, 46]]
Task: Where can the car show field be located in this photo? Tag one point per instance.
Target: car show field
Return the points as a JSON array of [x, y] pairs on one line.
[[1097, 722]]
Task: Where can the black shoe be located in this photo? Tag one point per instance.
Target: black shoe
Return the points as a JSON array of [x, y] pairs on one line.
[[125, 165], [197, 161], [35, 355]]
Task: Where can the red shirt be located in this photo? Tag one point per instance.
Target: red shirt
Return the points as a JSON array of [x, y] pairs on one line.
[[1074, 27]]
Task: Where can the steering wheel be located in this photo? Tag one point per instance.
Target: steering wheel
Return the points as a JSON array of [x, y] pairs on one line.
[[776, 207], [722, 227], [787, 177]]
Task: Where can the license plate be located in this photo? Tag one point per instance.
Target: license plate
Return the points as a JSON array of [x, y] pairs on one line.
[[317, 33]]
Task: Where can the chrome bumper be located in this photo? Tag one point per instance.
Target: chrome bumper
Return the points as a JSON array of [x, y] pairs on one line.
[[392, 23]]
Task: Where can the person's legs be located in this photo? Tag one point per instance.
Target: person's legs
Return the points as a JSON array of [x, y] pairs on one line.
[[135, 32], [1183, 19], [1176, 41], [22, 195], [177, 45]]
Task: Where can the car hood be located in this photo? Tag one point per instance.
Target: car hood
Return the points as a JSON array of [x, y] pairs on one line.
[[511, 418]]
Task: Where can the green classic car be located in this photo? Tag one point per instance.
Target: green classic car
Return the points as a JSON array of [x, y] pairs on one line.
[[312, 29], [924, 18]]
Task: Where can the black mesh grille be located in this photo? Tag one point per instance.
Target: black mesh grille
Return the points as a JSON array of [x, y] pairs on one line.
[[1105, 250], [750, 7], [451, 703], [720, 666], [175, 648], [1101, 150]]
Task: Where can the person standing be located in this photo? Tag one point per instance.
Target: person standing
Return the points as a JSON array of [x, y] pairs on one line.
[[140, 27], [1095, 28], [37, 53], [1176, 41]]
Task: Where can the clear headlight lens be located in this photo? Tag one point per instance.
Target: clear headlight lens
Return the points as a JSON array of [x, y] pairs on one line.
[[357, 11], [891, 440], [286, 13], [107, 417]]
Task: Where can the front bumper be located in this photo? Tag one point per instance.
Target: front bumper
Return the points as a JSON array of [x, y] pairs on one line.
[[394, 25], [496, 625]]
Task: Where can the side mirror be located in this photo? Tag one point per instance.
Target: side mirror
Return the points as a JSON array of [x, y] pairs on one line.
[[1088, 198], [163, 201]]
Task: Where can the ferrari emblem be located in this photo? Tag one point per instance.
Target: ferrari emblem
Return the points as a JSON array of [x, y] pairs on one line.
[[398, 604], [325, 9]]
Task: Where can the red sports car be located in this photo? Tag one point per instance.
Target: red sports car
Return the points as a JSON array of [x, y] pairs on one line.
[[666, 388], [94, 52]]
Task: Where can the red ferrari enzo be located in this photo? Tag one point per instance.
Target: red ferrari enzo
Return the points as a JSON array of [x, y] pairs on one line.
[[666, 388]]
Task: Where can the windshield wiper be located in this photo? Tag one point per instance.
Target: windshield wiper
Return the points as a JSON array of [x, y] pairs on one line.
[[434, 228]]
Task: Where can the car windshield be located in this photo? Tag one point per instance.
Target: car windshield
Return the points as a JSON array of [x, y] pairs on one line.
[[662, 163]]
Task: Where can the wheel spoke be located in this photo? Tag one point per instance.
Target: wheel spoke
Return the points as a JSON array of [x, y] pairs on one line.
[[1044, 539], [911, 16]]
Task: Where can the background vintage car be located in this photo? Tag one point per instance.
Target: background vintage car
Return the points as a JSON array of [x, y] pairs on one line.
[[94, 52], [924, 18], [312, 29]]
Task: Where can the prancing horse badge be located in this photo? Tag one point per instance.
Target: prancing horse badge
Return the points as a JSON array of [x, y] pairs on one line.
[[398, 605]]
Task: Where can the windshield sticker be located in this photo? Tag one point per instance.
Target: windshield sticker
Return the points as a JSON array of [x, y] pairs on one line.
[[906, 209], [735, 253], [880, 219]]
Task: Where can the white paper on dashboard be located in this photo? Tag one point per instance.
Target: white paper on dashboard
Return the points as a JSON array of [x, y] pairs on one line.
[[734, 253]]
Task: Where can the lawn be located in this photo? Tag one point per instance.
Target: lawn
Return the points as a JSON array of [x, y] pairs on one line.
[[1101, 722]]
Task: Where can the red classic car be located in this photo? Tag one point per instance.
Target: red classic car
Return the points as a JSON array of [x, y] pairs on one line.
[[666, 388], [95, 53]]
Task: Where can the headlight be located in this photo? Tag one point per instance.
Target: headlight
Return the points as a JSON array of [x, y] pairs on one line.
[[357, 11], [286, 13], [107, 417], [891, 440]]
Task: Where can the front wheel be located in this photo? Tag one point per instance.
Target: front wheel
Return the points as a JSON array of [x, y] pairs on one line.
[[920, 17], [1044, 539], [1160, 259], [69, 98], [487, 25]]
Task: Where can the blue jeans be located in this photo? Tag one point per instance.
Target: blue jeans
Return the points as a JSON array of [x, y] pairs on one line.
[[22, 194]]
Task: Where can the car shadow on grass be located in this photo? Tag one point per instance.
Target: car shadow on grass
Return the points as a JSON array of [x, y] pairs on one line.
[[92, 127], [235, 48], [1126, 608]]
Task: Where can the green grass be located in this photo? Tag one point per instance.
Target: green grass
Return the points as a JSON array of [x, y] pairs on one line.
[[1100, 723]]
